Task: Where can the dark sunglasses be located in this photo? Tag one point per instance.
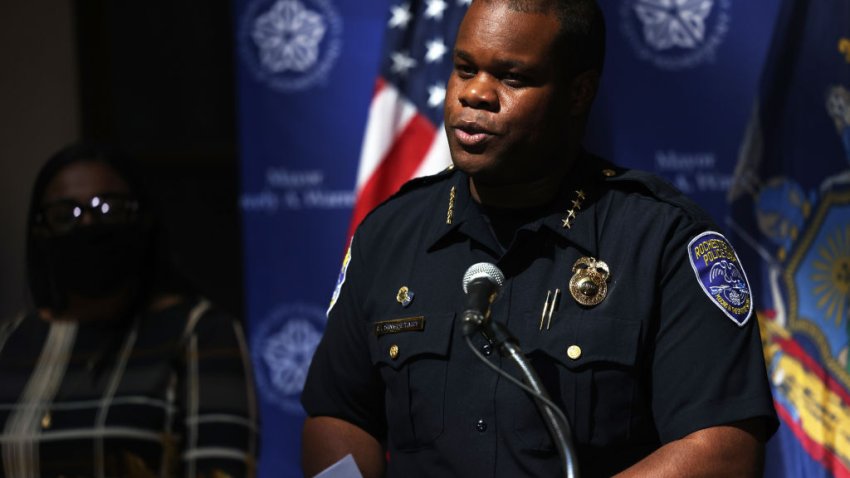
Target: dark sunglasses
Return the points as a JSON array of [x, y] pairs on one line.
[[63, 215]]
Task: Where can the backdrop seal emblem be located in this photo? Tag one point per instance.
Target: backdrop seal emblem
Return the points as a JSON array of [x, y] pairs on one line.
[[675, 34], [282, 346], [289, 45]]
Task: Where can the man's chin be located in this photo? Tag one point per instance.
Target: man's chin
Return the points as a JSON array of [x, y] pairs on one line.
[[473, 169], [471, 162]]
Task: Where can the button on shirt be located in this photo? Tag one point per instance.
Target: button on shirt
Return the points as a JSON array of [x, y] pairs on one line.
[[654, 361]]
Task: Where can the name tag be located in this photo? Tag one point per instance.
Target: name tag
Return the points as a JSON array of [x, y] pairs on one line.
[[408, 324]]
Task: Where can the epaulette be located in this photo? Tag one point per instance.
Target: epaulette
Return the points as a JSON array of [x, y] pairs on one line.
[[650, 184], [423, 181]]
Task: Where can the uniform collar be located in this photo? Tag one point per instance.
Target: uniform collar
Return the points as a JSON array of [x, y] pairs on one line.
[[579, 194], [457, 213], [577, 205]]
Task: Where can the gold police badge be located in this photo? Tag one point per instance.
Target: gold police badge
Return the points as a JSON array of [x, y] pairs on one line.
[[589, 284]]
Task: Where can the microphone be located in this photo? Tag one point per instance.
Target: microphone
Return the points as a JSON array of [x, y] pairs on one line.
[[482, 283]]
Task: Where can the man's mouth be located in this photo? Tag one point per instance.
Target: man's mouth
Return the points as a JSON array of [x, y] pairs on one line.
[[471, 134]]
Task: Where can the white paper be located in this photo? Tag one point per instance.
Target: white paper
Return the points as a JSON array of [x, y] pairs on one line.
[[344, 468]]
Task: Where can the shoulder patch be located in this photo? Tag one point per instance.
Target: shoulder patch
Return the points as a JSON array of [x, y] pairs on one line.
[[721, 275], [341, 279]]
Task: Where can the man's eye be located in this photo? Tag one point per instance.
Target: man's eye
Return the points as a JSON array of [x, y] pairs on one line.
[[465, 71], [514, 80]]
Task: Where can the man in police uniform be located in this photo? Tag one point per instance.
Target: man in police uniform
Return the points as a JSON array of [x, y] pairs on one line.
[[633, 310]]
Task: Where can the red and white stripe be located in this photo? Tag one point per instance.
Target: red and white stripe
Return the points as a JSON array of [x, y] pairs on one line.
[[399, 144]]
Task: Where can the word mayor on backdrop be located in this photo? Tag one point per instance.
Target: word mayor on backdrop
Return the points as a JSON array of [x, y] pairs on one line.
[[295, 190]]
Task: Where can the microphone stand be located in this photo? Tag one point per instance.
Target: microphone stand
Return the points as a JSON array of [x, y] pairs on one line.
[[556, 421]]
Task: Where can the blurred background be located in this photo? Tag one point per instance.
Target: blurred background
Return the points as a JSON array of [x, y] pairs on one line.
[[251, 116], [155, 80]]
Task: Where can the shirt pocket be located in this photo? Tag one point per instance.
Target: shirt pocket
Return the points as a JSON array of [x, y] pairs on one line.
[[413, 366], [588, 366]]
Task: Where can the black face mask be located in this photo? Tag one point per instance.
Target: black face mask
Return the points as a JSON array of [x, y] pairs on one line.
[[97, 260]]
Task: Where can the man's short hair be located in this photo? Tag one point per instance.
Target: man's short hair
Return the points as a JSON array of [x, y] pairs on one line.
[[582, 29]]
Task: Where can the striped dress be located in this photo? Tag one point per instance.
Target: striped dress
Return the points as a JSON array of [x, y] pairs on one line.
[[168, 394]]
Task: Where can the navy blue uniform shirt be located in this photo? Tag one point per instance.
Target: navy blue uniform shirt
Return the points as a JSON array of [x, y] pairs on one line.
[[657, 359]]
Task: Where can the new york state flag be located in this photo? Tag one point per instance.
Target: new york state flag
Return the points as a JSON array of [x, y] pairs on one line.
[[790, 211]]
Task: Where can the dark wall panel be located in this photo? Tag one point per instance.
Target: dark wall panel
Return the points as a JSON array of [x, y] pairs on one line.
[[156, 80]]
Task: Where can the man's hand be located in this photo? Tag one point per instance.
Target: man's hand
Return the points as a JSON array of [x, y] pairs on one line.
[[733, 450], [326, 440]]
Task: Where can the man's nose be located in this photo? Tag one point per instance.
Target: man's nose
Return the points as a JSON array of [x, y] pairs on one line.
[[479, 92]]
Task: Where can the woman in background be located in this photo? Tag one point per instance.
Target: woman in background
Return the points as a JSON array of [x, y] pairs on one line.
[[120, 370]]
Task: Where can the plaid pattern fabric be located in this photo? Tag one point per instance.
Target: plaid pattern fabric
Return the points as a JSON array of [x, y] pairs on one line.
[[169, 394]]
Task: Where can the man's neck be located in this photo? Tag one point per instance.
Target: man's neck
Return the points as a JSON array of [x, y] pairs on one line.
[[521, 195]]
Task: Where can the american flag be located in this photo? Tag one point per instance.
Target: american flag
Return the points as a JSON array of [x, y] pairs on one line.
[[404, 134]]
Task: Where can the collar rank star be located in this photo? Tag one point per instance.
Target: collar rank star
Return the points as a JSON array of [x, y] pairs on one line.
[[589, 284], [404, 296], [571, 214]]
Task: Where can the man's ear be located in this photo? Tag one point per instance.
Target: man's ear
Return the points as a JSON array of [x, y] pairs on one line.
[[583, 89]]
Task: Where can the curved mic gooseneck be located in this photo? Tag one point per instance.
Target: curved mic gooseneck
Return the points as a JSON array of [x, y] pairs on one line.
[[482, 284]]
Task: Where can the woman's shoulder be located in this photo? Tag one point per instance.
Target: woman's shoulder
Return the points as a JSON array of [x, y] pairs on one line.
[[28, 330]]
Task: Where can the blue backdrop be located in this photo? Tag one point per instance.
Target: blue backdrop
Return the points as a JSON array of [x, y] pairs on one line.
[[676, 98], [300, 134]]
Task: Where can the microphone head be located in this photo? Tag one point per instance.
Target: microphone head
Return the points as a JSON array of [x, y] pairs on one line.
[[483, 270]]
